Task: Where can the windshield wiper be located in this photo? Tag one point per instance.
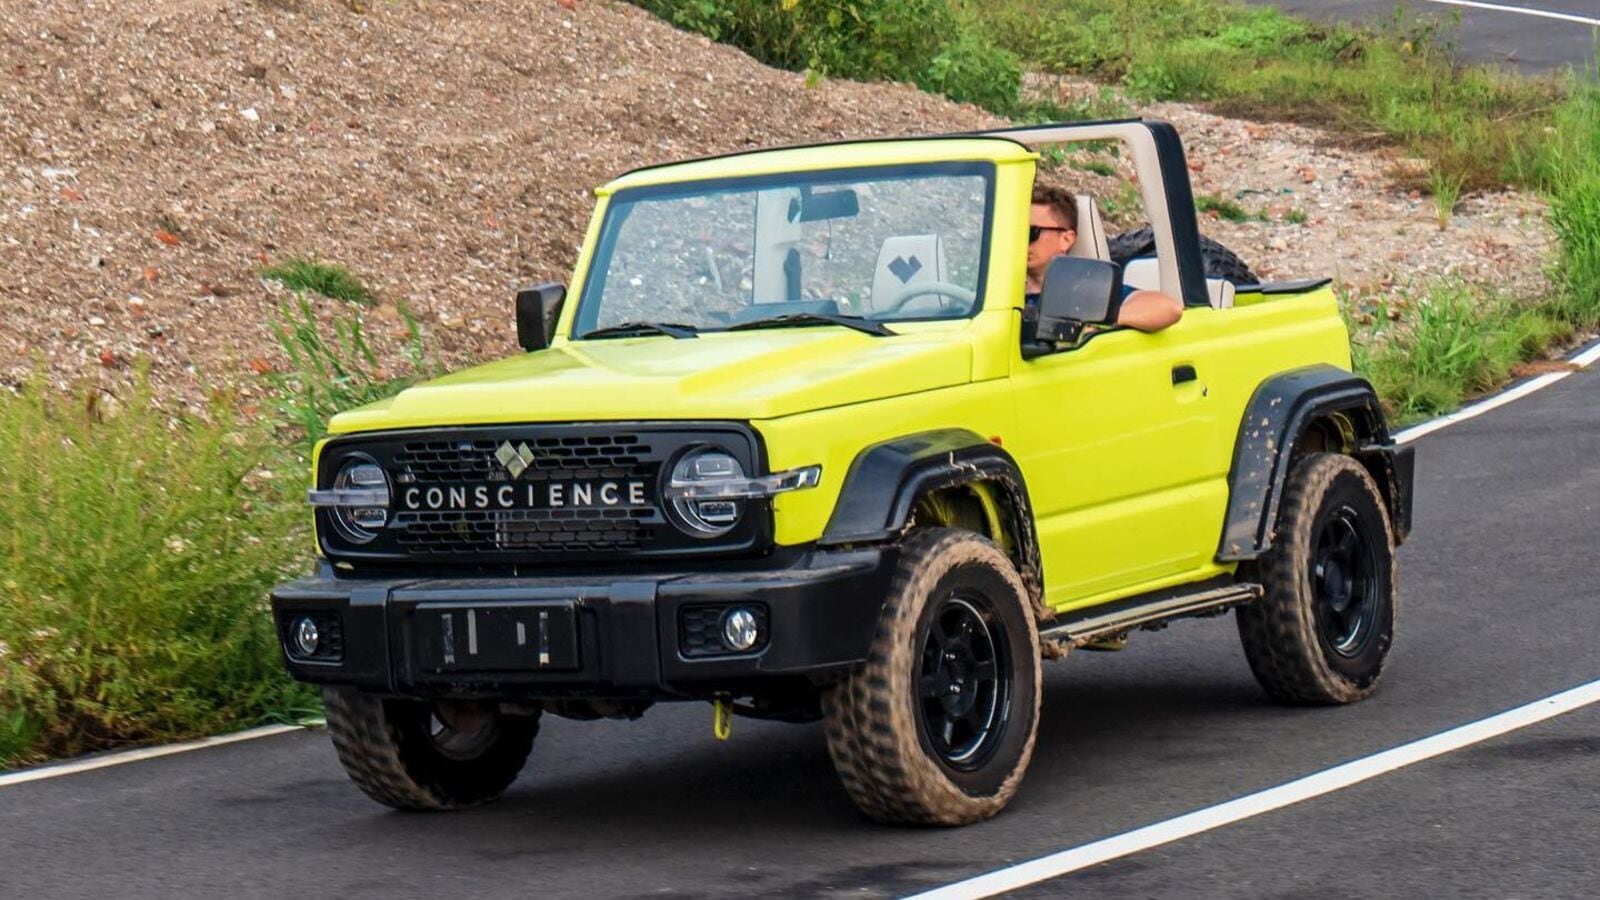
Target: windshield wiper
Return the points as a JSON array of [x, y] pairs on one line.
[[869, 326], [674, 330]]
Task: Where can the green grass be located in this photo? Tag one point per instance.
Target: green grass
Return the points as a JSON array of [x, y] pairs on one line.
[[1295, 217], [919, 41], [1224, 208], [1480, 124], [1095, 167], [1449, 341], [333, 368], [1570, 166], [1455, 339], [1446, 192], [135, 598], [331, 280]]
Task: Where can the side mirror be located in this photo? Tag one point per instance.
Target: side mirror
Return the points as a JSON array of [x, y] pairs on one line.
[[1078, 292], [538, 308]]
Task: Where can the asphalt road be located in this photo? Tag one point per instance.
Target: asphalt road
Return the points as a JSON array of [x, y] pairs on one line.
[[1530, 43], [1500, 607]]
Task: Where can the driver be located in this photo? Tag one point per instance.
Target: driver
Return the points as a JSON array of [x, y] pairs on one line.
[[1052, 230]]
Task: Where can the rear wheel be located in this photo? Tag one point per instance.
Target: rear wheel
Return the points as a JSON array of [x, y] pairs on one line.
[[1323, 631], [938, 726], [417, 755]]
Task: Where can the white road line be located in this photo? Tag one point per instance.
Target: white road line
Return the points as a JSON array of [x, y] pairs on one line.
[[1581, 361], [116, 759], [1251, 805], [1521, 10]]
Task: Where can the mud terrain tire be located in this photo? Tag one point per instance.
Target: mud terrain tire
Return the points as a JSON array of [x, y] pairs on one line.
[[917, 734], [1322, 632], [1215, 259], [391, 750]]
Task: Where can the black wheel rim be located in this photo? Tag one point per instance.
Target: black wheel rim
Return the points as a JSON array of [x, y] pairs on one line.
[[963, 682], [461, 731], [1344, 583]]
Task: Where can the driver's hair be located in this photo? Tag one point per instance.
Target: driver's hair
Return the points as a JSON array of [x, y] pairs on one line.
[[1059, 199]]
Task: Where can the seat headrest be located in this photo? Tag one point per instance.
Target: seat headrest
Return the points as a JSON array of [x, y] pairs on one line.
[[1091, 241]]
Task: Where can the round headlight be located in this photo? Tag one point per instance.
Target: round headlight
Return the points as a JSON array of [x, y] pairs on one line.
[[360, 524], [706, 517]]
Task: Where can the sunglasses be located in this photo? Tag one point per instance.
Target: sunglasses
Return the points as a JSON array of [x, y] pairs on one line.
[[1035, 231]]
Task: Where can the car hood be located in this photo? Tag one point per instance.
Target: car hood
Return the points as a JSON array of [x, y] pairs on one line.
[[739, 375]]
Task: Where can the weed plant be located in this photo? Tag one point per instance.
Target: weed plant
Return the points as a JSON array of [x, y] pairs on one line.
[[134, 576], [331, 280], [1225, 209], [1445, 189], [332, 369]]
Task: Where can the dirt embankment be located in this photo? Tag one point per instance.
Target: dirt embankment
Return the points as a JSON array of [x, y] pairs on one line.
[[154, 154]]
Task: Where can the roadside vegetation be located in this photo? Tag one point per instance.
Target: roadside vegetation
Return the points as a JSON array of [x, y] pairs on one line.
[[134, 573], [135, 591], [1469, 127], [332, 368]]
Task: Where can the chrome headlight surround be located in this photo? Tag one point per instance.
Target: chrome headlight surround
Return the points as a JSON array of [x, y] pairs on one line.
[[358, 502], [706, 489]]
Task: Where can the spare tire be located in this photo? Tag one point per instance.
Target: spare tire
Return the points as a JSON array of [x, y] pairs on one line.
[[1218, 261]]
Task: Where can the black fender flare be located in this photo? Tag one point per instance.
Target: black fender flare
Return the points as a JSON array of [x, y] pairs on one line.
[[1276, 416], [885, 480]]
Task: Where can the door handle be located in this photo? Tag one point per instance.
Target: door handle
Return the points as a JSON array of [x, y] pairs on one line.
[[1183, 375]]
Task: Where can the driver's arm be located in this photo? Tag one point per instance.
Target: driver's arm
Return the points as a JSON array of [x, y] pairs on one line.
[[1149, 311]]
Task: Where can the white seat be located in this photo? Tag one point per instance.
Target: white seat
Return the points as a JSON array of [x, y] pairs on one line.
[[1091, 240], [903, 260], [1144, 274]]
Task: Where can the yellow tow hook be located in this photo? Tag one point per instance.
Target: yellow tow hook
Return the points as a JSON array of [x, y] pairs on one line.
[[722, 717]]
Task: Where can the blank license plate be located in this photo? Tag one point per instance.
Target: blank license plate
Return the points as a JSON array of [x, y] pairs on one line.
[[531, 636]]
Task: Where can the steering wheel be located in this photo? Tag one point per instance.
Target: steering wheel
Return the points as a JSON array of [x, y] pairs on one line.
[[911, 292]]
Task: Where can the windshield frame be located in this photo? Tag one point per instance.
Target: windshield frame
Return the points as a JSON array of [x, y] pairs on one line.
[[619, 205]]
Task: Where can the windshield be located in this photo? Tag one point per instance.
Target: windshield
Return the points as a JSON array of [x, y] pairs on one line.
[[884, 244]]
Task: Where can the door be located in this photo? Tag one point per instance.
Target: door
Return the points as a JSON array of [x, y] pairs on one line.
[[1116, 439]]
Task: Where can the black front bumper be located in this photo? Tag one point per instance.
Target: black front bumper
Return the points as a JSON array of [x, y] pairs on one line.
[[615, 635]]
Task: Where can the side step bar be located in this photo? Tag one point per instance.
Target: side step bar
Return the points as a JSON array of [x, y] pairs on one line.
[[1147, 611]]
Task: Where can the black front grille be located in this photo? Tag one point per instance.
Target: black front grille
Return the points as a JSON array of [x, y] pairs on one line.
[[469, 531], [578, 461], [572, 456]]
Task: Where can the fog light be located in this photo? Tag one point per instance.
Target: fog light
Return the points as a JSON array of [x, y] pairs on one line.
[[305, 636], [739, 629]]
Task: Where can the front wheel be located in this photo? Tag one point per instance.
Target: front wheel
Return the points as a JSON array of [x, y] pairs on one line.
[[1322, 632], [418, 755], [937, 727]]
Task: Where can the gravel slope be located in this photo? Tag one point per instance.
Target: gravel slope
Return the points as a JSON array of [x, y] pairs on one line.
[[154, 153]]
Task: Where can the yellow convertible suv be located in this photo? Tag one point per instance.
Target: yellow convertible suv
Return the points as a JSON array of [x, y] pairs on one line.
[[796, 443]]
